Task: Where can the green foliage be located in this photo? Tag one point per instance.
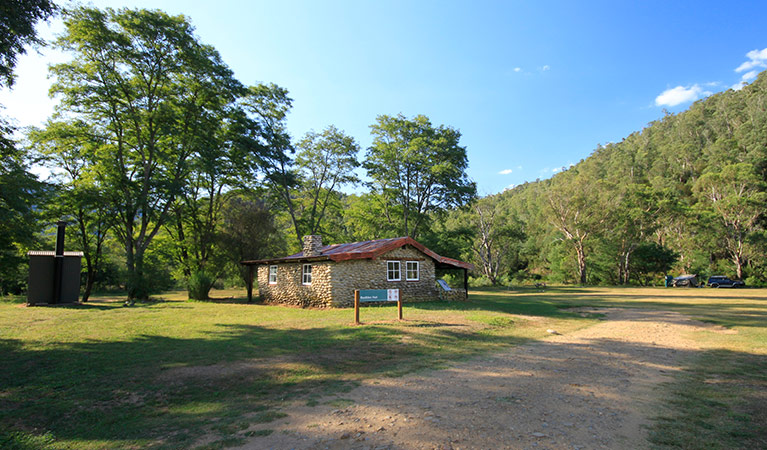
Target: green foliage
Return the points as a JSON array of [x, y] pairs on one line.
[[163, 148], [21, 194], [687, 191], [170, 131], [70, 147], [17, 30], [326, 162], [651, 262], [199, 285], [248, 233], [416, 169], [20, 191], [735, 196]]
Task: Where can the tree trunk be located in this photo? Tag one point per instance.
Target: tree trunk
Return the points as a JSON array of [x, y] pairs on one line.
[[91, 274], [738, 267], [137, 286], [581, 262], [626, 268], [182, 241]]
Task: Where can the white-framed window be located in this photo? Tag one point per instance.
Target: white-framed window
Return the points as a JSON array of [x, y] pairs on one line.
[[411, 271], [272, 274], [393, 271], [306, 276]]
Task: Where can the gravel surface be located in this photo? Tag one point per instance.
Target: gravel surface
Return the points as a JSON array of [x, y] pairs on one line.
[[594, 388]]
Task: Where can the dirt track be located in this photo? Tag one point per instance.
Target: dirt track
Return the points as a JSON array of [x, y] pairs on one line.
[[594, 388]]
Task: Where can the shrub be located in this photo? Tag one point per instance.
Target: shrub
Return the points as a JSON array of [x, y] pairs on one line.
[[199, 285]]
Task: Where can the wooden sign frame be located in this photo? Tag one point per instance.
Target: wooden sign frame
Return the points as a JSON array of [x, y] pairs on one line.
[[357, 305]]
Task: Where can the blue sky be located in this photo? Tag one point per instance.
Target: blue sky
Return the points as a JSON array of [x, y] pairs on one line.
[[532, 85]]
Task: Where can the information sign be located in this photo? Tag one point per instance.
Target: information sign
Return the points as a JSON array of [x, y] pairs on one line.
[[376, 295], [443, 284], [379, 295]]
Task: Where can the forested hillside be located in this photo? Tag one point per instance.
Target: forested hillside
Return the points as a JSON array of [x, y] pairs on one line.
[[685, 194]]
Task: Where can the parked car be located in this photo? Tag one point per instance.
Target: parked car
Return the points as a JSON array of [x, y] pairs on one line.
[[718, 281], [685, 281]]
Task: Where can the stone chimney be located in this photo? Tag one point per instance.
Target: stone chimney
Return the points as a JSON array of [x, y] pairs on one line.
[[312, 245]]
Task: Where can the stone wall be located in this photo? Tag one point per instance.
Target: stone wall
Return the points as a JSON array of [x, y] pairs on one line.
[[333, 283], [371, 274], [291, 291], [454, 295]]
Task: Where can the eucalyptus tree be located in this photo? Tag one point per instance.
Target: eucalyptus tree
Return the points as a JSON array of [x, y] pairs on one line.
[[578, 205], [416, 168], [326, 161], [736, 197], [498, 233], [267, 106], [234, 148], [146, 85]]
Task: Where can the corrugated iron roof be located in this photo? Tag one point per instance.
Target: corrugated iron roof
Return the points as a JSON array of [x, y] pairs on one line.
[[51, 253], [364, 250]]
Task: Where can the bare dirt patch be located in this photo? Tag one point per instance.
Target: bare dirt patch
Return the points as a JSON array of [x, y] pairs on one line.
[[594, 388]]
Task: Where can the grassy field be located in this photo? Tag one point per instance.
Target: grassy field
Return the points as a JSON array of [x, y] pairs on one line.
[[163, 373]]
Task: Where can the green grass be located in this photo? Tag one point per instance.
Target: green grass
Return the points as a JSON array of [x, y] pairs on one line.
[[720, 402], [164, 374]]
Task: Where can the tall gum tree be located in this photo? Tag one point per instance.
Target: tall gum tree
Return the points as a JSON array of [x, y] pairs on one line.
[[735, 195], [578, 206], [416, 169], [326, 161], [143, 82]]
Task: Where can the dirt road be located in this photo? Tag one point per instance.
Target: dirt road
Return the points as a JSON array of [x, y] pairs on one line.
[[594, 388]]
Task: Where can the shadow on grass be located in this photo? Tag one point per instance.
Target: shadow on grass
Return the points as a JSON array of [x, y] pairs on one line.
[[155, 389], [720, 402]]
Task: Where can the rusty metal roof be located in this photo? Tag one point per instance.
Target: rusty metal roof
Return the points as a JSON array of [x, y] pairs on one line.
[[365, 250], [51, 253]]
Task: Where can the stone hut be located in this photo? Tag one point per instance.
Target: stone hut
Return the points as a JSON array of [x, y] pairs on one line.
[[324, 276]]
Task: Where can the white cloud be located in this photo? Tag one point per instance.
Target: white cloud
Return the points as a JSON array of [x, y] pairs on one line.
[[545, 68], [511, 186], [756, 58], [504, 172], [748, 76], [680, 94], [517, 69], [555, 170], [519, 167]]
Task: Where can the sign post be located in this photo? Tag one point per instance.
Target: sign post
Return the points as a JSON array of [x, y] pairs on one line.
[[376, 295], [356, 307]]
